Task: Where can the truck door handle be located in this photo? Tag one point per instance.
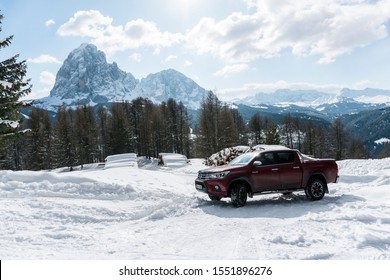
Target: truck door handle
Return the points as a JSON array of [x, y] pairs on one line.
[[296, 167], [275, 169]]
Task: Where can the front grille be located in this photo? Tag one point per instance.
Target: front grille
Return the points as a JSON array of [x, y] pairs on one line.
[[202, 175]]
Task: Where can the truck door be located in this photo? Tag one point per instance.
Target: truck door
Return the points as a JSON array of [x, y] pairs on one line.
[[265, 176], [290, 169]]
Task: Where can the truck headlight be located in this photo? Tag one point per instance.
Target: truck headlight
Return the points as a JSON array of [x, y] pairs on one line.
[[217, 175]]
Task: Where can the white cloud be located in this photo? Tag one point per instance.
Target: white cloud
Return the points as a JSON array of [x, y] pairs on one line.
[[49, 22], [187, 63], [44, 58], [136, 57], [235, 68], [85, 24], [109, 38], [47, 78], [234, 39], [326, 28], [170, 58]]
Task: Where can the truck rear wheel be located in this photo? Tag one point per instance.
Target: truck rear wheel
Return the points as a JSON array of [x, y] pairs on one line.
[[315, 189], [239, 195]]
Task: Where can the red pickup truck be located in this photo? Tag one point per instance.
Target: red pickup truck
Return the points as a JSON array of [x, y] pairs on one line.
[[268, 170]]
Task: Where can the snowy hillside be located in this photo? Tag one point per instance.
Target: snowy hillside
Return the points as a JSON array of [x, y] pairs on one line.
[[154, 212]]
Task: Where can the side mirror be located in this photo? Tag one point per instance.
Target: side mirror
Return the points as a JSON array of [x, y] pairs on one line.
[[257, 163]]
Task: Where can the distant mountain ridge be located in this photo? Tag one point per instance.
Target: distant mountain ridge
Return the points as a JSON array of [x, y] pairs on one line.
[[86, 78], [315, 98], [329, 105]]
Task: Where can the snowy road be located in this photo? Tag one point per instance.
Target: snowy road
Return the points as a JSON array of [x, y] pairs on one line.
[[155, 213]]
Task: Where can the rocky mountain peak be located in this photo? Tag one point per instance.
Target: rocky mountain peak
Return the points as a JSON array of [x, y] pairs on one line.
[[86, 77]]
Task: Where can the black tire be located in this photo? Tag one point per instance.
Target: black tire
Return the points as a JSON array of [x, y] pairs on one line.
[[315, 189], [215, 198], [239, 195]]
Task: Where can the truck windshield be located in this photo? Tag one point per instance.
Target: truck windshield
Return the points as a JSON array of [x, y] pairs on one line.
[[243, 159]]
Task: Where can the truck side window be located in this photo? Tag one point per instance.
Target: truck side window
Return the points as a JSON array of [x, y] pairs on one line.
[[267, 158], [286, 157]]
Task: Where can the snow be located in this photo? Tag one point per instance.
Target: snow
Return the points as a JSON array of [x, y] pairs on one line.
[[5, 84], [380, 99], [154, 212], [8, 123], [383, 140]]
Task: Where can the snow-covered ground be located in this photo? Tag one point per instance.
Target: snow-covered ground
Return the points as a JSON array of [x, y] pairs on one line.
[[155, 212]]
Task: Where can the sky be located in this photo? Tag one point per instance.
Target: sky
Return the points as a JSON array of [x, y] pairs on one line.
[[232, 47]]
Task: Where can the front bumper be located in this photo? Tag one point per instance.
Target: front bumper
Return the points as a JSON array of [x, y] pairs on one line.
[[199, 186], [212, 187]]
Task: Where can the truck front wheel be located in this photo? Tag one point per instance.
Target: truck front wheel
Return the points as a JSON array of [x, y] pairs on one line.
[[315, 189], [239, 195]]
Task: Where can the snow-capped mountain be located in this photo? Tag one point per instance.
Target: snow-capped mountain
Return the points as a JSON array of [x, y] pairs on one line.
[[347, 101], [287, 96], [87, 78], [161, 86], [314, 98]]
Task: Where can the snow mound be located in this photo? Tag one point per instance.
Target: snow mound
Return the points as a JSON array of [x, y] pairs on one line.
[[172, 160], [127, 159]]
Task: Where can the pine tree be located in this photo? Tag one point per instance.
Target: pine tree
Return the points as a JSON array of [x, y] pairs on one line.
[[356, 149], [272, 136], [184, 130], [314, 141], [86, 134], [13, 86], [287, 129], [120, 129], [338, 139], [39, 140], [228, 132], [255, 128], [208, 130], [64, 141], [103, 134]]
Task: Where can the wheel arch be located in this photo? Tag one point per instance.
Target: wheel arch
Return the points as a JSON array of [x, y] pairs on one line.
[[319, 176], [244, 180]]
